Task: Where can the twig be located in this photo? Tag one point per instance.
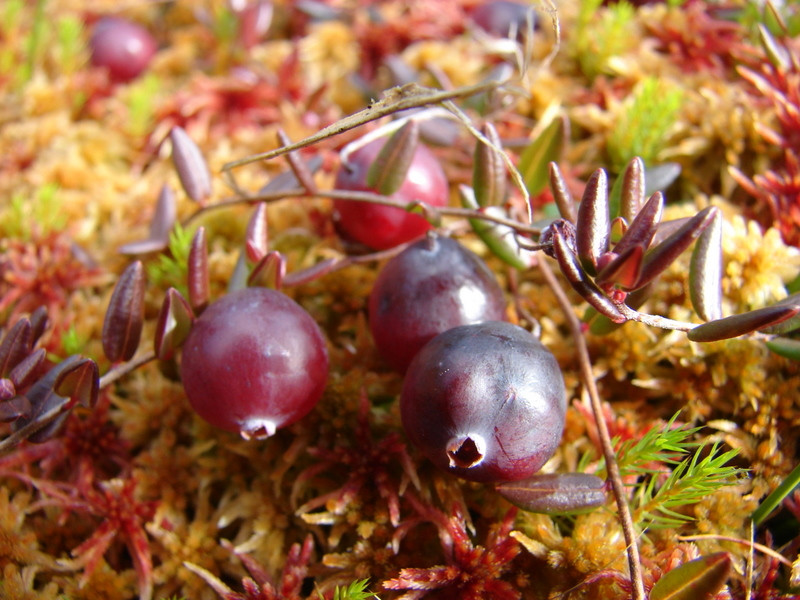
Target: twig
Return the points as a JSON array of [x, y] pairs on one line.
[[623, 510]]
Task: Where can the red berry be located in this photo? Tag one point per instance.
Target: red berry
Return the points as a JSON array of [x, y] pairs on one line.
[[432, 286], [253, 362], [122, 47], [485, 402], [381, 227]]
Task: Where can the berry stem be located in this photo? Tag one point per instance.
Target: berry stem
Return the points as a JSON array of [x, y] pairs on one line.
[[623, 510]]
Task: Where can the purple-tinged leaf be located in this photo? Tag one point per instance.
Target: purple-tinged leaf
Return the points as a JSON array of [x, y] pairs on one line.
[[644, 225], [160, 227], [389, 169], [174, 323], [197, 272], [567, 232], [705, 272], [593, 225], [256, 238], [16, 407], [7, 389], [602, 325], [190, 165], [16, 345], [555, 492], [287, 180], [660, 257], [534, 162], [789, 324], [39, 322], [786, 347], [49, 410], [299, 168], [581, 283], [632, 194], [26, 370], [623, 270], [736, 325], [489, 170], [699, 579], [80, 382], [269, 272], [311, 273], [122, 327], [561, 194]]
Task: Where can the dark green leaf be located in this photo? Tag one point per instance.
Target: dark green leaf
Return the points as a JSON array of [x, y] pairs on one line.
[[546, 148]]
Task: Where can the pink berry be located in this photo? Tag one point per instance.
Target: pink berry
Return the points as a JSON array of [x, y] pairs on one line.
[[254, 361], [123, 48], [381, 227]]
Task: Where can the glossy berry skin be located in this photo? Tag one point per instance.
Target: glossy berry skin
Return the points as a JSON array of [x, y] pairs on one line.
[[122, 47], [254, 361], [381, 227], [433, 285], [485, 402]]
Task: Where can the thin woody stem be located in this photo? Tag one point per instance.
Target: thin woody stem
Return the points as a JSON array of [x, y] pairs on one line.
[[366, 197], [623, 510]]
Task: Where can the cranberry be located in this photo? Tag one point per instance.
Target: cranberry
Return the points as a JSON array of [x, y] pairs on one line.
[[254, 361], [498, 17], [378, 226], [485, 402], [432, 286], [122, 47]]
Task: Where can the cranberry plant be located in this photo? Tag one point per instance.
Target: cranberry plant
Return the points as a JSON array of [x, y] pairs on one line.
[[253, 361]]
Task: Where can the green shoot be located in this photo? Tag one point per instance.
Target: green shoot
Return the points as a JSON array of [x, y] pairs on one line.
[[72, 342], [170, 269], [599, 39], [357, 590], [689, 483], [643, 128], [70, 43], [140, 102], [23, 214]]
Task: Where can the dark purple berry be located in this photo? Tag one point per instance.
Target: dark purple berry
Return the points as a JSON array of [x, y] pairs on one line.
[[253, 362], [378, 226], [432, 286], [123, 48], [485, 402]]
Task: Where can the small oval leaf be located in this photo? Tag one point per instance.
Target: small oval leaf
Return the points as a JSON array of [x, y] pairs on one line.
[[25, 370], [786, 347], [534, 162], [632, 191], [736, 325], [489, 170], [122, 327], [501, 240], [80, 382], [15, 346], [699, 579], [269, 272], [256, 237], [593, 226], [555, 492], [389, 169], [561, 194], [174, 322], [197, 272], [705, 272], [190, 165]]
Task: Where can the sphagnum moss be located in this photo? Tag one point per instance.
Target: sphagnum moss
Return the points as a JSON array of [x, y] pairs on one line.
[[355, 487]]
